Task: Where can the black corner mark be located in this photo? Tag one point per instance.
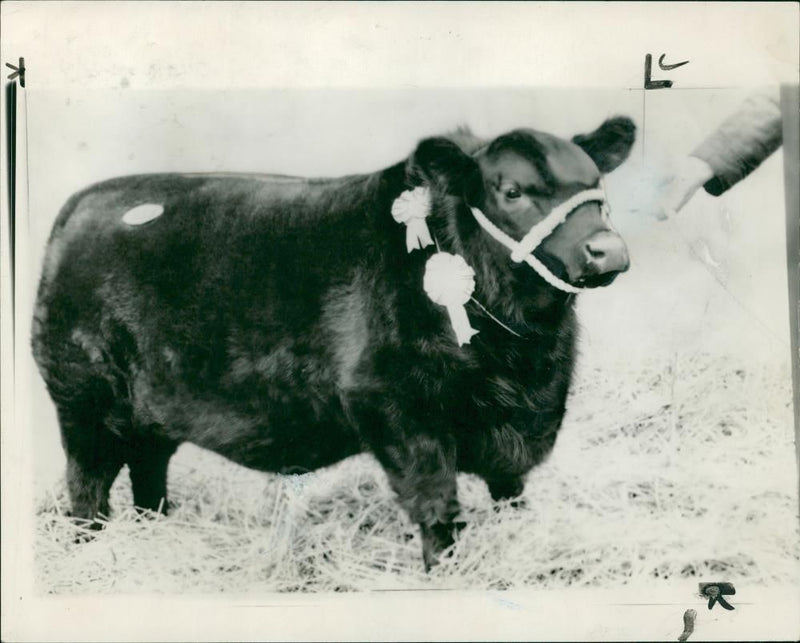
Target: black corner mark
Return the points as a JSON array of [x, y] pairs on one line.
[[714, 592], [649, 83], [668, 67], [18, 71]]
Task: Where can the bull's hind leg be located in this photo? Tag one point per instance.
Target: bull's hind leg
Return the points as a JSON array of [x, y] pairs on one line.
[[148, 459], [94, 458]]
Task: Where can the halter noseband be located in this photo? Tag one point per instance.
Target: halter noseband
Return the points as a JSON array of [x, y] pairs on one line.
[[523, 250]]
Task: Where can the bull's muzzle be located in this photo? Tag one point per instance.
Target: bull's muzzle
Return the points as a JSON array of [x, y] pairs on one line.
[[605, 256]]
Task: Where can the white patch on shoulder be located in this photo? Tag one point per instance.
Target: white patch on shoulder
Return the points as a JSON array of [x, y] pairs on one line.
[[142, 214]]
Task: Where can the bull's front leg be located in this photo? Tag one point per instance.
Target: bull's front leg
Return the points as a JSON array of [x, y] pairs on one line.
[[421, 468], [422, 472]]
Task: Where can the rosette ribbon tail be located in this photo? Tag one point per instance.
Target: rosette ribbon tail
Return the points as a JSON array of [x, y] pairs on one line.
[[460, 323], [449, 282], [417, 234]]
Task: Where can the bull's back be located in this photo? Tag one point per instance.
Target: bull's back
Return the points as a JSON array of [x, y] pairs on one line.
[[211, 240], [190, 214]]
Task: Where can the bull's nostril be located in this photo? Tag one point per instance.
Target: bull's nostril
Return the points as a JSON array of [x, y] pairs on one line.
[[594, 252], [604, 253]]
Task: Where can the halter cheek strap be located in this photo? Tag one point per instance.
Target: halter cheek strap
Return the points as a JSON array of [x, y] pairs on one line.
[[523, 250]]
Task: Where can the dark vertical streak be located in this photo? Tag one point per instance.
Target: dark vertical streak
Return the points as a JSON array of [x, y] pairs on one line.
[[790, 97], [11, 165]]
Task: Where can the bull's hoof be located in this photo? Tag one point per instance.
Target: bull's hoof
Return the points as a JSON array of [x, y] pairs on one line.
[[87, 530], [436, 539], [515, 503], [432, 561], [151, 513], [147, 515]]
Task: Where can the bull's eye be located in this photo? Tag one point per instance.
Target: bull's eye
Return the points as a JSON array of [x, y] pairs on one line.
[[513, 193]]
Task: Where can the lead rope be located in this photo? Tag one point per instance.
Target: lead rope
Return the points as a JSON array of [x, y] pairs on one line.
[[523, 250], [501, 237]]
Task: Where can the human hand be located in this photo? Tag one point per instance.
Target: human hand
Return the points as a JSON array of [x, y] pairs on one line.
[[689, 174]]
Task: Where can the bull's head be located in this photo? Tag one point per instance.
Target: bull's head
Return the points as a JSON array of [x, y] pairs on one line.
[[539, 196]]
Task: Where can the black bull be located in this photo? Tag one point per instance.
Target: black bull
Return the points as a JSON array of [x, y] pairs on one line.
[[282, 323]]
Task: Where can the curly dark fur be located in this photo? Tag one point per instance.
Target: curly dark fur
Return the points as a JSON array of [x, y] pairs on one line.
[[282, 323]]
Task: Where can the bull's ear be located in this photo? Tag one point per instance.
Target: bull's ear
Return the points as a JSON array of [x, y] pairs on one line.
[[440, 164], [609, 145]]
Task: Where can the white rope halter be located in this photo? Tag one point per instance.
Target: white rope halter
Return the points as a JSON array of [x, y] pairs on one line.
[[523, 250]]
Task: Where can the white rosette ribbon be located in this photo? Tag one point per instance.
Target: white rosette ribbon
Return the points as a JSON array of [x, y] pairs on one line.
[[449, 281], [411, 208]]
